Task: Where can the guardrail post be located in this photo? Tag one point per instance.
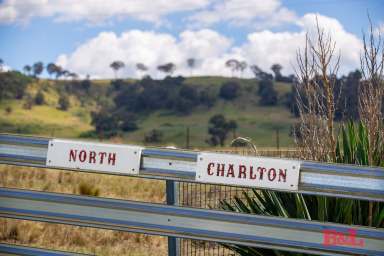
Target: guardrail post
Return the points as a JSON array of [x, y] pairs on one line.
[[172, 199]]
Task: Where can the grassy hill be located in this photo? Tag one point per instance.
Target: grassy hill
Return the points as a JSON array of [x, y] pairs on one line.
[[254, 121]]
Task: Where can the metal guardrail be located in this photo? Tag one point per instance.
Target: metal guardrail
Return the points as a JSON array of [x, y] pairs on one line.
[[226, 227], [12, 249], [315, 178]]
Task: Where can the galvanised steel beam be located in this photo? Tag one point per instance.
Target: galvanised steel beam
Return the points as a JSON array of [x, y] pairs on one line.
[[13, 249], [225, 227], [338, 180]]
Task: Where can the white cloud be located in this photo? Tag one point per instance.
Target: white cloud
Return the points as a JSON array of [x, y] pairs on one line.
[[94, 56], [93, 11], [266, 48], [262, 48], [260, 13], [347, 44]]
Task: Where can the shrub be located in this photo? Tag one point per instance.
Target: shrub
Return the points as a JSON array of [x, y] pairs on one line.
[[219, 128], [64, 102], [154, 136], [126, 121], [13, 85], [229, 90], [268, 97], [267, 93], [39, 98], [189, 92], [106, 124]]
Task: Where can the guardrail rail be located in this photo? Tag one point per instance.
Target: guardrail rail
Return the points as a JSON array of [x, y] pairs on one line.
[[337, 180]]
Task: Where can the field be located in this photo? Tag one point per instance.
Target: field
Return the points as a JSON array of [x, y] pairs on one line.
[[254, 121]]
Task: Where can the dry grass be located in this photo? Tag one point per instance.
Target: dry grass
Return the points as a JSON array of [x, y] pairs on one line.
[[79, 239]]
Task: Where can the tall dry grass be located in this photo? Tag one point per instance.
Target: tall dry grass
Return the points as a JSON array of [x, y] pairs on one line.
[[80, 239]]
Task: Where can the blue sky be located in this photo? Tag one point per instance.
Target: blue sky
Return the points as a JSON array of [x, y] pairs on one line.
[[62, 31]]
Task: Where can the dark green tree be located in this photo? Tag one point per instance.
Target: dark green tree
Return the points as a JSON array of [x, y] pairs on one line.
[[242, 66], [276, 68], [105, 123], [37, 68], [229, 90], [116, 66], [39, 98], [141, 68], [51, 68], [59, 72], [267, 93], [233, 65], [168, 68], [347, 105], [219, 128], [27, 70], [260, 74]]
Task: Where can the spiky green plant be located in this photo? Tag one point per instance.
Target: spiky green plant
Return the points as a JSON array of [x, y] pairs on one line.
[[352, 148]]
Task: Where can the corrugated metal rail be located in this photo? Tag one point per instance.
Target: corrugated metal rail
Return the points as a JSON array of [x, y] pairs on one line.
[[13, 249], [315, 178], [202, 224]]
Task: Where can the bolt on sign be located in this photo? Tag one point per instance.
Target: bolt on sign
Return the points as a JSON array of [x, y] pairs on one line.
[[94, 156], [248, 171]]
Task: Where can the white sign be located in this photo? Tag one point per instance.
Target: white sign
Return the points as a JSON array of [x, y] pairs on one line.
[[259, 172], [94, 156]]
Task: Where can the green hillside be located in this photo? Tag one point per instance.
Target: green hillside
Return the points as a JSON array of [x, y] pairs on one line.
[[254, 121]]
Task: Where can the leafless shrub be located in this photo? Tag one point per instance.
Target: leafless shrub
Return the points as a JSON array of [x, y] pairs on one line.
[[371, 94], [371, 89], [317, 67]]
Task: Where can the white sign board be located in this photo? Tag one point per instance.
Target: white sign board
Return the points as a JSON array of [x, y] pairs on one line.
[[259, 172], [94, 156]]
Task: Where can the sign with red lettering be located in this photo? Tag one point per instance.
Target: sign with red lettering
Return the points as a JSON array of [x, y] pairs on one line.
[[248, 171], [94, 156]]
